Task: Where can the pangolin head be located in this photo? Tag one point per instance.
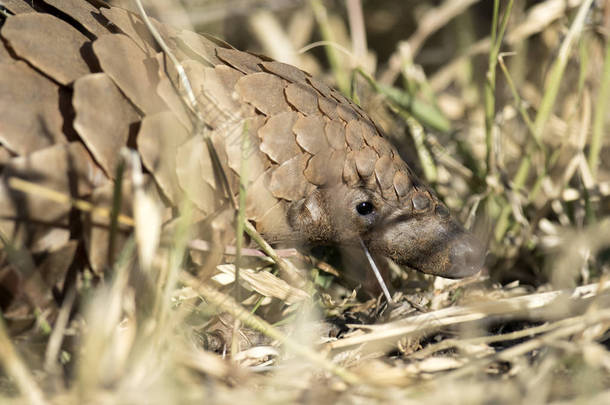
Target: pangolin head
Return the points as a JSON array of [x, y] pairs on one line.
[[337, 178], [380, 201]]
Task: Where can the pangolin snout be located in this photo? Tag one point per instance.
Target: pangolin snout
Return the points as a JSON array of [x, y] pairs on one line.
[[433, 244], [465, 258]]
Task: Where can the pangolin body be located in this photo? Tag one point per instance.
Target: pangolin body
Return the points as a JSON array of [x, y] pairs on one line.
[[78, 82]]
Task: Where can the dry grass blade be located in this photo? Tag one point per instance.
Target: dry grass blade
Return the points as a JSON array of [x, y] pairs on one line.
[[520, 334], [18, 370], [266, 284], [327, 34], [274, 39], [600, 114], [184, 80], [557, 71], [357, 29], [497, 37], [45, 192], [147, 215], [204, 246], [386, 335], [229, 305], [285, 266], [435, 19], [377, 273], [57, 335]]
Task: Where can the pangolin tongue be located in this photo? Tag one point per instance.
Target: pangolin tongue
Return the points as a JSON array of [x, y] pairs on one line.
[[81, 76]]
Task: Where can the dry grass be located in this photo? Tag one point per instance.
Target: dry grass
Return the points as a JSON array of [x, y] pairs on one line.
[[504, 113]]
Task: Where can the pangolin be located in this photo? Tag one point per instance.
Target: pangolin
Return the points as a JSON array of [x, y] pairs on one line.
[[78, 81]]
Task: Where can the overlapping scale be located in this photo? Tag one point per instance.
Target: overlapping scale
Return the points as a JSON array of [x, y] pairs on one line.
[[278, 139], [310, 134], [49, 44], [32, 103], [104, 130], [137, 79]]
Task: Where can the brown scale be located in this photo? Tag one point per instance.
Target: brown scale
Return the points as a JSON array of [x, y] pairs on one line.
[[58, 57], [82, 12], [302, 98], [285, 71], [132, 26], [106, 130], [137, 79], [278, 140], [33, 102], [310, 134], [319, 170]]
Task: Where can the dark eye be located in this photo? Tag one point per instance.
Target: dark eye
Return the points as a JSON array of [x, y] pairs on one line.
[[364, 208]]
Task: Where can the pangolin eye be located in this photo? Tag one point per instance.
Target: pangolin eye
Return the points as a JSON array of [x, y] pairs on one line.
[[365, 208]]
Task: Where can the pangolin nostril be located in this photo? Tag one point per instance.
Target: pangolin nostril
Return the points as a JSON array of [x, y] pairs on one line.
[[466, 257]]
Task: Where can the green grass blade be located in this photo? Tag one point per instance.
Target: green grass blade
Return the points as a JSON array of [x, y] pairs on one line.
[[601, 110]]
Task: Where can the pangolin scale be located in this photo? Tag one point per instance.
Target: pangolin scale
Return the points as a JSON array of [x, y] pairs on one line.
[[78, 82]]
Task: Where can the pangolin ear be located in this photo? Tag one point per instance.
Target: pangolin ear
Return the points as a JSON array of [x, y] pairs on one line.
[[310, 217]]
